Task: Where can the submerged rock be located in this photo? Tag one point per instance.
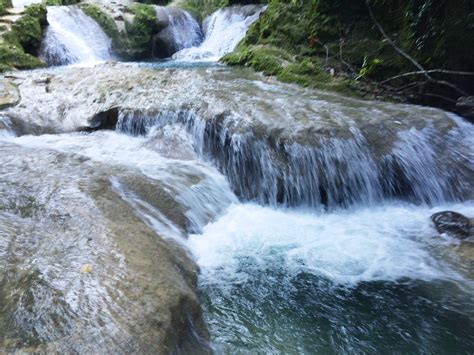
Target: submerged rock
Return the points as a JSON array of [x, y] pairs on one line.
[[453, 223]]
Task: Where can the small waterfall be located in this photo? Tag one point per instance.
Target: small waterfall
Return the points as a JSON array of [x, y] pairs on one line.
[[73, 37], [223, 30], [181, 31], [327, 172]]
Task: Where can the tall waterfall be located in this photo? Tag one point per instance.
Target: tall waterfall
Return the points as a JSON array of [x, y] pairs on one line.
[[181, 31], [73, 37], [223, 30]]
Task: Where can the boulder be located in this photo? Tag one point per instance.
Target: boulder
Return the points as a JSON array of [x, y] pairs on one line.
[[453, 223], [9, 94]]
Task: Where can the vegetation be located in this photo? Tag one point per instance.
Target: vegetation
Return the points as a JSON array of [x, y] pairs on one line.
[[202, 8], [408, 49], [105, 21], [20, 45], [136, 42], [4, 4]]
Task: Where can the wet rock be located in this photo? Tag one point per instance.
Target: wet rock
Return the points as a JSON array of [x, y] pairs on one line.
[[178, 30], [453, 223], [97, 279], [9, 94], [465, 107]]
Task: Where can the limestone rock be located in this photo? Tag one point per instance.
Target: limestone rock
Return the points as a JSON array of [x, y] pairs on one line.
[[9, 94]]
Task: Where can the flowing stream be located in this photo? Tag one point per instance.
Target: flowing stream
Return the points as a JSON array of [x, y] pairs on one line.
[[307, 213]]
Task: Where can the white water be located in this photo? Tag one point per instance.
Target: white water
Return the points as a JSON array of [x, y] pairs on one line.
[[73, 37], [197, 186], [384, 243], [223, 30]]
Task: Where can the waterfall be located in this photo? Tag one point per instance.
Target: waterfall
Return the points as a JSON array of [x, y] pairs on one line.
[[303, 217], [327, 172], [181, 31], [223, 30], [73, 37]]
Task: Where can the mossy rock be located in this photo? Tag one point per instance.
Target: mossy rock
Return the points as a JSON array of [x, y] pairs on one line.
[[13, 56], [19, 46], [203, 8], [137, 42], [103, 20]]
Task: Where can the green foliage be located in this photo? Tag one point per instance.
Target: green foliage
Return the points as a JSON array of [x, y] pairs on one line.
[[288, 25], [13, 56], [434, 32], [137, 42], [19, 45], [4, 4], [203, 8], [28, 30], [369, 66]]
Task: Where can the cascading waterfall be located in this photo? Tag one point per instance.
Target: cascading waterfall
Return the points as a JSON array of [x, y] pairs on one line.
[[181, 31], [334, 172], [307, 214], [73, 37], [223, 30]]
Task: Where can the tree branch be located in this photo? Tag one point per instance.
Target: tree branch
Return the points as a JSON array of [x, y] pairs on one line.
[[432, 71]]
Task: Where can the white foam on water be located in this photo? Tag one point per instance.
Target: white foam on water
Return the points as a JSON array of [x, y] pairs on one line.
[[197, 185], [224, 29], [385, 243]]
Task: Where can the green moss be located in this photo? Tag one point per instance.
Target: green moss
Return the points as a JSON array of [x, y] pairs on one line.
[[4, 4], [137, 43], [13, 56], [203, 8], [19, 46], [342, 35], [28, 32], [104, 20]]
